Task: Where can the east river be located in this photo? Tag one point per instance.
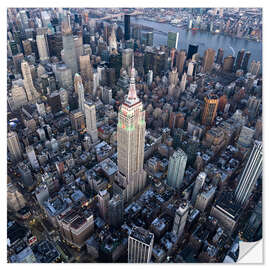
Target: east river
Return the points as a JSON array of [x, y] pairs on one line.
[[205, 40]]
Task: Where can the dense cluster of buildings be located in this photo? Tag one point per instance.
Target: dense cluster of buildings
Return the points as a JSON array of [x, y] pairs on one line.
[[119, 151]]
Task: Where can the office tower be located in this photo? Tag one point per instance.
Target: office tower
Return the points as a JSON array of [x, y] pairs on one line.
[[192, 49], [32, 157], [176, 169], [55, 102], [41, 108], [180, 61], [63, 75], [70, 57], [130, 142], [127, 56], [140, 245], [205, 198], [160, 64], [173, 77], [116, 211], [183, 82], [14, 146], [13, 47], [24, 19], [27, 47], [55, 44], [26, 175], [42, 48], [77, 82], [255, 67], [172, 41], [15, 199], [77, 120], [28, 82], [173, 57], [180, 219], [197, 186], [106, 95], [251, 173], [253, 104], [210, 109], [220, 55], [103, 203], [19, 96], [87, 49], [46, 19], [245, 61], [149, 77], [115, 62], [190, 69], [239, 59], [127, 26], [138, 63], [149, 38], [76, 227], [78, 43], [17, 60], [136, 32], [208, 59], [64, 98], [95, 83], [91, 124], [228, 64], [113, 42], [245, 137], [80, 91]]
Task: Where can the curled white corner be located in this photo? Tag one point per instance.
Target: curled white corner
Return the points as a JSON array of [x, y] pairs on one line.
[[250, 252]]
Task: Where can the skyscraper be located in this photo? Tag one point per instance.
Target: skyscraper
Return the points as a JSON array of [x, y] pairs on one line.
[[113, 42], [127, 26], [239, 59], [31, 91], [69, 50], [172, 41], [251, 173], [190, 68], [116, 210], [91, 124], [176, 170], [220, 55], [140, 245], [180, 61], [42, 48], [228, 63], [32, 157], [210, 109], [208, 59], [192, 49], [198, 185], [127, 56], [103, 203], [14, 146], [80, 90], [245, 61], [130, 142], [183, 82], [180, 219]]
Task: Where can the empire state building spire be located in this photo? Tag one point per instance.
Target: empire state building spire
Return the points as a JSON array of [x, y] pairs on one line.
[[132, 94]]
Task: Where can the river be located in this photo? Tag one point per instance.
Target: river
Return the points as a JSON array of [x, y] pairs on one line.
[[205, 40]]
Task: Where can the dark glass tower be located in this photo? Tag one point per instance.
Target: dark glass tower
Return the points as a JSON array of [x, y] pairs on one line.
[[245, 61], [192, 49], [127, 27], [239, 59]]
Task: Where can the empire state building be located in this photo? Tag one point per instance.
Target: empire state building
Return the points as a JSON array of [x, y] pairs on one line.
[[130, 144]]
